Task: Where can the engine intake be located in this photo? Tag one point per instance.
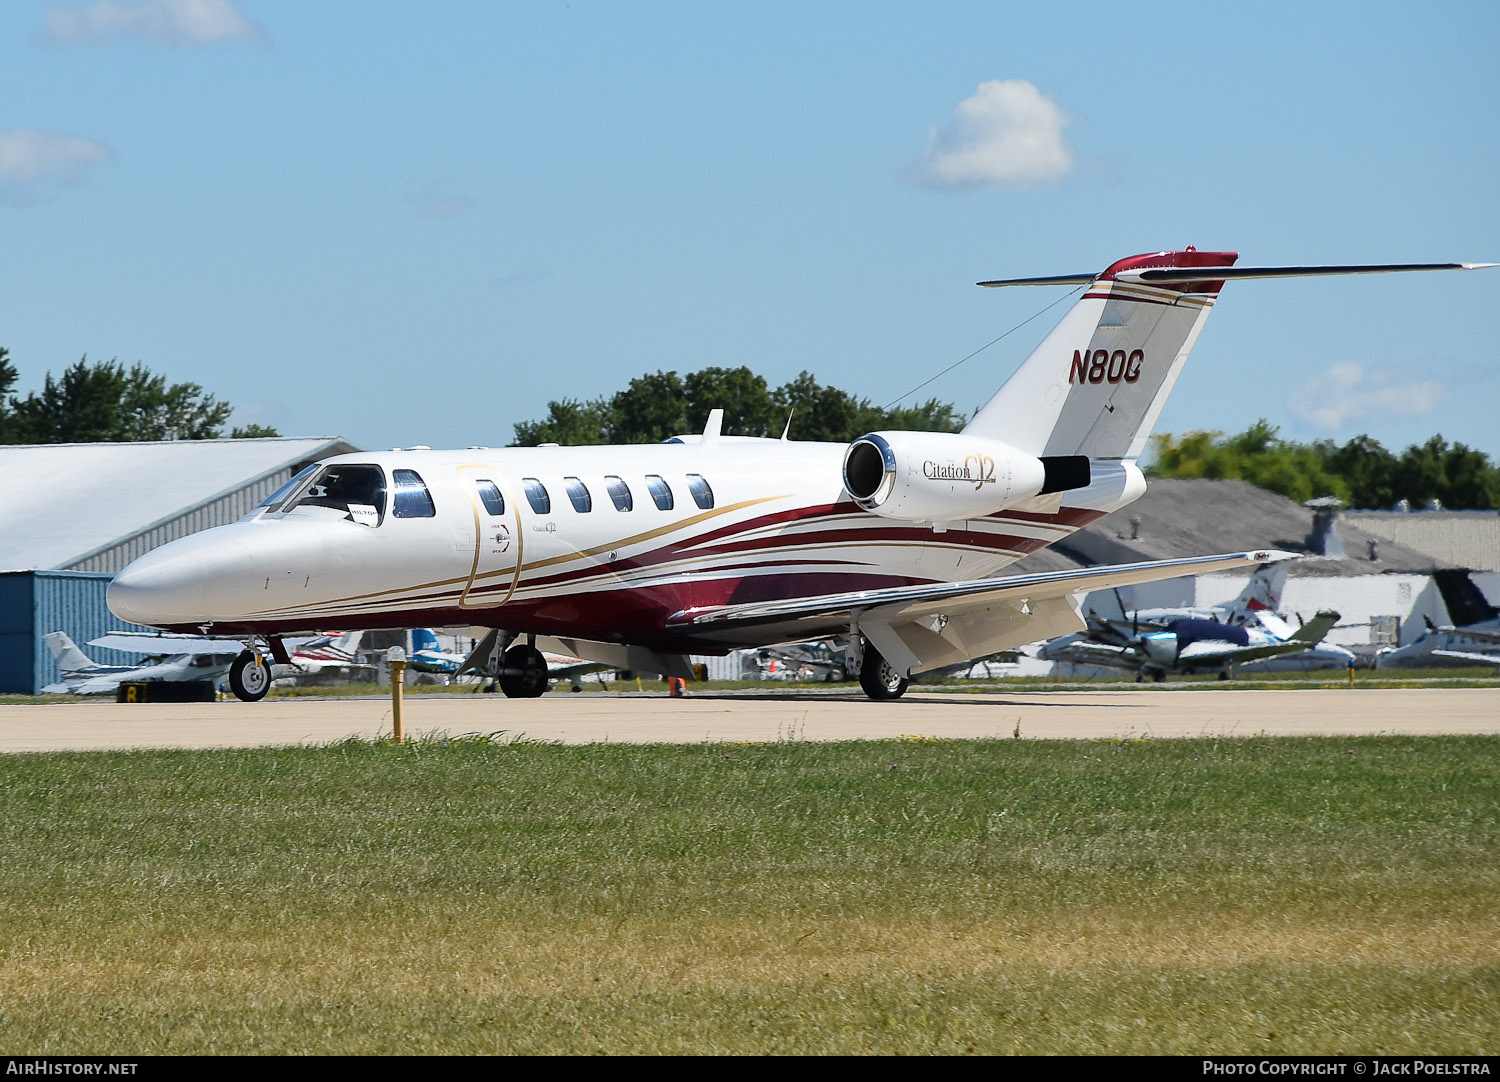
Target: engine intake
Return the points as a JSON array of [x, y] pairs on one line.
[[943, 477]]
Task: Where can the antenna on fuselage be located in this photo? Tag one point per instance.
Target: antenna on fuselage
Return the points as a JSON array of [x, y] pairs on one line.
[[787, 430], [713, 426]]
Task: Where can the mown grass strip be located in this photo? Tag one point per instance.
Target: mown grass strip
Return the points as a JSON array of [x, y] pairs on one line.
[[472, 895]]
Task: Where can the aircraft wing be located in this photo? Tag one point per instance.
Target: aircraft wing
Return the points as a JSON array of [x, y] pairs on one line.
[[150, 642], [1466, 655], [1098, 653], [830, 613], [1212, 654], [1471, 633]]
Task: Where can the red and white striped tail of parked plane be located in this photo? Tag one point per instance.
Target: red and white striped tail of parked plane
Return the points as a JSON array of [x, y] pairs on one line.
[[638, 556]]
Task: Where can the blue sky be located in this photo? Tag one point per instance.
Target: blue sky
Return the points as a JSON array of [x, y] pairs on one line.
[[416, 224]]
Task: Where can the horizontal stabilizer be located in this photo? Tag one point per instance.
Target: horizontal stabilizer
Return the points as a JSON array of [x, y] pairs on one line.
[[1179, 275]]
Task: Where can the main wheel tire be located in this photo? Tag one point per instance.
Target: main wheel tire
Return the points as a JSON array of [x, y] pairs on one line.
[[879, 680], [250, 677], [523, 673]]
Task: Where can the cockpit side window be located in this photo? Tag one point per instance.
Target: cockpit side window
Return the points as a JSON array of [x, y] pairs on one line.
[[660, 491], [578, 492], [357, 490], [290, 487], [489, 492], [703, 495], [412, 499], [536, 495]]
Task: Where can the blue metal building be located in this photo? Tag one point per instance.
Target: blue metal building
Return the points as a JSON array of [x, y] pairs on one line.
[[36, 603]]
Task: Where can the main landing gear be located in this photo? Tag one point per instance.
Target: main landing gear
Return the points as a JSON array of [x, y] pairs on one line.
[[523, 673], [879, 679], [250, 677]]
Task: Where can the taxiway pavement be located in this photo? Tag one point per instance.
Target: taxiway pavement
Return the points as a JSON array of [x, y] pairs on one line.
[[756, 716]]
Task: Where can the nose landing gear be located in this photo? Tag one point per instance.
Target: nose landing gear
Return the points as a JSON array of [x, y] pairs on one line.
[[250, 677]]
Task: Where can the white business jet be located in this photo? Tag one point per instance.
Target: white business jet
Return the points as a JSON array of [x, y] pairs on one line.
[[638, 556]]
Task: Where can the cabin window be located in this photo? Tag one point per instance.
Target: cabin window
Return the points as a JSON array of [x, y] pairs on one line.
[[489, 493], [660, 491], [578, 492], [619, 491], [536, 495], [358, 491], [287, 489], [703, 496], [412, 499]]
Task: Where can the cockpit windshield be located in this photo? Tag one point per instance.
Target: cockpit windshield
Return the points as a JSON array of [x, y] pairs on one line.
[[358, 491], [287, 489]]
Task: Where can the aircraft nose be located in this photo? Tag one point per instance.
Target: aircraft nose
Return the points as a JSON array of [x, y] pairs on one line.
[[159, 589]]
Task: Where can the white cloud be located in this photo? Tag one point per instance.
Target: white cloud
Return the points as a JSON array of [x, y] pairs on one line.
[[1347, 393], [183, 24], [32, 162], [1007, 134]]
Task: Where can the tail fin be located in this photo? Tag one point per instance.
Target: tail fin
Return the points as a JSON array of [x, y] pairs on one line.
[[348, 642], [1313, 631], [1262, 593], [71, 661], [1098, 382], [422, 638], [1466, 603]]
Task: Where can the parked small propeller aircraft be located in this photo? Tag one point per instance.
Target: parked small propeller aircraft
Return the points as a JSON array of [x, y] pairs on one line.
[[1261, 594], [637, 556], [176, 663], [1191, 645]]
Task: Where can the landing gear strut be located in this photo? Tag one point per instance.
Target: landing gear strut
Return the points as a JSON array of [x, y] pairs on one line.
[[879, 679], [250, 677], [523, 673]]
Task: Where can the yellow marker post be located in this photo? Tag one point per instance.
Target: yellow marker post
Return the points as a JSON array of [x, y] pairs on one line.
[[396, 658]]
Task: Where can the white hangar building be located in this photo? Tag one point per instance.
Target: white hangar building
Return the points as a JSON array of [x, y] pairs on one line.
[[76, 513], [97, 506]]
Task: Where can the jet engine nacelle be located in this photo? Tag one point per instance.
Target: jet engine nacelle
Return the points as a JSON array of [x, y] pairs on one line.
[[943, 477]]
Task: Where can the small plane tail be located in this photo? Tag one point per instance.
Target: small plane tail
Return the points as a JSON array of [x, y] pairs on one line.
[[422, 638], [1315, 629], [1262, 593], [1097, 384], [71, 661]]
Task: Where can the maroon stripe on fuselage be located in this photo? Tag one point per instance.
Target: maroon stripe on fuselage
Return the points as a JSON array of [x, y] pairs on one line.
[[635, 615]]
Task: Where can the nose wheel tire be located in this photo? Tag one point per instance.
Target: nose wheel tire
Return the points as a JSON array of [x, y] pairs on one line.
[[523, 673], [878, 679], [250, 677]]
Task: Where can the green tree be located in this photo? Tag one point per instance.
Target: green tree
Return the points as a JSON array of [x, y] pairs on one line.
[[106, 402], [1361, 472], [8, 377], [663, 404], [568, 422]]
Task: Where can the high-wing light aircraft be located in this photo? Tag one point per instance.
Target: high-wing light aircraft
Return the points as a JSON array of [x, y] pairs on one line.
[[1261, 594], [637, 556], [81, 675]]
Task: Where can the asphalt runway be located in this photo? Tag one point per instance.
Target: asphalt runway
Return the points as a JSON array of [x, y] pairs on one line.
[[755, 716]]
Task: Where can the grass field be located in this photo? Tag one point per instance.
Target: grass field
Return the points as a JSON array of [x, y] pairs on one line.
[[1255, 896]]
